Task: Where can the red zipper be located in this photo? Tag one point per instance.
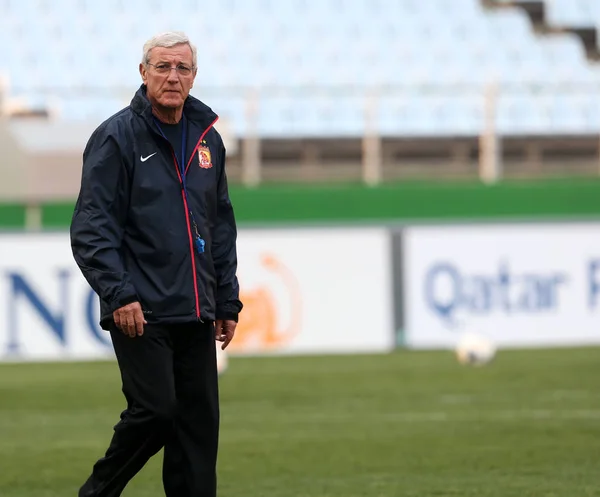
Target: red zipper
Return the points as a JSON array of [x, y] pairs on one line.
[[189, 228], [187, 214]]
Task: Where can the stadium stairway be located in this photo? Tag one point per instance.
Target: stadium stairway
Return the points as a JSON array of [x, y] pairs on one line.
[[537, 12]]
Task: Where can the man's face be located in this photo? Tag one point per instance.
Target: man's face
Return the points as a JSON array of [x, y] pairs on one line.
[[169, 88]]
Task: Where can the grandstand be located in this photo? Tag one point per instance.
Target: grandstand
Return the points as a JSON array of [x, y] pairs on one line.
[[342, 87]]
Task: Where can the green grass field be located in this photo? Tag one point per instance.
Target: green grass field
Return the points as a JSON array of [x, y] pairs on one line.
[[405, 424]]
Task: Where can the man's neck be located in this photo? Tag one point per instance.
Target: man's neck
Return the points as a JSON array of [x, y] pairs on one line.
[[167, 115]]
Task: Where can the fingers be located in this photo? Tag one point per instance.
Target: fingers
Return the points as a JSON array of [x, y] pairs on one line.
[[130, 326], [117, 318], [219, 335], [227, 340], [130, 319], [139, 322], [229, 333]]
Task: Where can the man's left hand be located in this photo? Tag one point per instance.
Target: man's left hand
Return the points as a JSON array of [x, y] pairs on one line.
[[224, 331]]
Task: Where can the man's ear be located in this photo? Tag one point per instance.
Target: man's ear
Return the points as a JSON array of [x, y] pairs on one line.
[[143, 73]]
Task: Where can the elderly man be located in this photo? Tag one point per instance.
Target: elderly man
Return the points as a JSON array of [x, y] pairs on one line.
[[155, 236]]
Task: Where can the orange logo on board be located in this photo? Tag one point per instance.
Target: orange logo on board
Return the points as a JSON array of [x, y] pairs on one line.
[[205, 157], [262, 326]]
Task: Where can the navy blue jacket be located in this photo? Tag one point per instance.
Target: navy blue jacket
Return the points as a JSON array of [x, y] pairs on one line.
[[131, 233]]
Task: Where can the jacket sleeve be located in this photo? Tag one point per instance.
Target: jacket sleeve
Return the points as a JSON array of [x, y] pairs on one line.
[[224, 251], [99, 219]]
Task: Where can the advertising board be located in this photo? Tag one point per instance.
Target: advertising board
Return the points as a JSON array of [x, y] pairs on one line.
[[304, 291], [520, 284]]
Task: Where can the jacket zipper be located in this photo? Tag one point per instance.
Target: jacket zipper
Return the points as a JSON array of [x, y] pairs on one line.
[[187, 214]]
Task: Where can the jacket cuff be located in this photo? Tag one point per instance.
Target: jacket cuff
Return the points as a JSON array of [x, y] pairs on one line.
[[227, 316], [123, 301]]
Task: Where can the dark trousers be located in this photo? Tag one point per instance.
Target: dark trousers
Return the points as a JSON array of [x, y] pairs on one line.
[[170, 383]]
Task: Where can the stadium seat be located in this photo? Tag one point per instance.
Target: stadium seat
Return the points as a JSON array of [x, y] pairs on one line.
[[81, 57]]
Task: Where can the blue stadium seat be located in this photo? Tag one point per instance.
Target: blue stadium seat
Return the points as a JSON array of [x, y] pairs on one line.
[[431, 60], [576, 13]]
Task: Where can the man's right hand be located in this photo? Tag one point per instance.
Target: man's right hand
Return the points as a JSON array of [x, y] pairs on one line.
[[130, 319]]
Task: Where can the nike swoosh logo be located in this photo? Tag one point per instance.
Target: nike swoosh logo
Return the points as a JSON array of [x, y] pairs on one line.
[[144, 159]]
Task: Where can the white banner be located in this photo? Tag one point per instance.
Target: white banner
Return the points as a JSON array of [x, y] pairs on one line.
[[521, 284], [304, 291]]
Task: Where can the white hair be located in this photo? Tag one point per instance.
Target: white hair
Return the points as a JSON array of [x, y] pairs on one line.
[[168, 40]]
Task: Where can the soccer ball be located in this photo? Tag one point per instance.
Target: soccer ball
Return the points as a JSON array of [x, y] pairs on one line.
[[222, 359], [475, 349]]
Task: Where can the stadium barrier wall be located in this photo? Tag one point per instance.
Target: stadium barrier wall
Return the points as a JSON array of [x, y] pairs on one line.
[[306, 291], [352, 203], [521, 284], [341, 290]]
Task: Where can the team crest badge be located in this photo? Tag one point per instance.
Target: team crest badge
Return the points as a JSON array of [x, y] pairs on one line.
[[205, 158]]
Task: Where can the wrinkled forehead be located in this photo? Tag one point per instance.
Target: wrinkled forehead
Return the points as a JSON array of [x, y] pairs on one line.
[[176, 54]]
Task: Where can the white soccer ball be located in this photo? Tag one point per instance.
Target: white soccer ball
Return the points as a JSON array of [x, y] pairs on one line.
[[222, 359], [475, 349]]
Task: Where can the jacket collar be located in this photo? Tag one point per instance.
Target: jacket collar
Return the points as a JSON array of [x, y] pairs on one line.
[[195, 111]]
